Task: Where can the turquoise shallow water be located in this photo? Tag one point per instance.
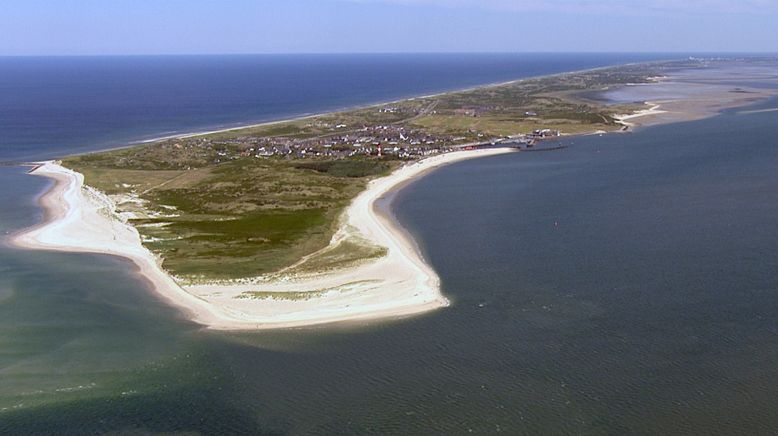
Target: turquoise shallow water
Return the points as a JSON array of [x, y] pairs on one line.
[[627, 284]]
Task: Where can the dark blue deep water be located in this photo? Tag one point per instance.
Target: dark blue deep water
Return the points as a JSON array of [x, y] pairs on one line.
[[625, 285]]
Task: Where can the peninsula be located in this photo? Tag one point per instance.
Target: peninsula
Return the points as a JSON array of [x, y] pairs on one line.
[[275, 225]]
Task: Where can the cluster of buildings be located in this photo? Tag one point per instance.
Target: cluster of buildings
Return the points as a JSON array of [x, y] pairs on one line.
[[543, 134], [379, 140], [342, 142], [386, 135]]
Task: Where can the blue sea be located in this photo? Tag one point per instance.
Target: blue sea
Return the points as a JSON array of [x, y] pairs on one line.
[[627, 284]]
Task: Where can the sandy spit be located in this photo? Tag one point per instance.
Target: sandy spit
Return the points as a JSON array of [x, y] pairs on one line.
[[82, 219]]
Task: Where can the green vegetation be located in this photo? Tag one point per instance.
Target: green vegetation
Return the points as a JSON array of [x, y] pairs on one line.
[[346, 168], [553, 102], [500, 126], [255, 201], [302, 295], [241, 218], [349, 252]]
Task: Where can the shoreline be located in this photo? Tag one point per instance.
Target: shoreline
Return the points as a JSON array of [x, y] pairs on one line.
[[294, 118], [654, 109], [690, 95], [80, 219]]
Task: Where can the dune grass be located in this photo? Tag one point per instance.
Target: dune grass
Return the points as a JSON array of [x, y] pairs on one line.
[[241, 218]]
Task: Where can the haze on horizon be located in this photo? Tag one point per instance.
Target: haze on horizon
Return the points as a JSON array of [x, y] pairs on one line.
[[96, 27]]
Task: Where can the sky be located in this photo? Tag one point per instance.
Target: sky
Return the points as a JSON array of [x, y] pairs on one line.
[[120, 27]]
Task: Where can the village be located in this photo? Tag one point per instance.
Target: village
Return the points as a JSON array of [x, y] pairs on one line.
[[396, 141]]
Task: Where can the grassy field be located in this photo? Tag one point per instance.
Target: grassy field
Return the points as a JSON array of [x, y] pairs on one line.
[[237, 219], [498, 125], [214, 209]]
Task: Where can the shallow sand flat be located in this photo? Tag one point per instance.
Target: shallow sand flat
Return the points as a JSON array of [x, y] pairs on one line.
[[695, 94], [80, 219]]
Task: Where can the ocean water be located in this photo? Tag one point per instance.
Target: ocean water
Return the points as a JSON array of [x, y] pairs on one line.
[[625, 285]]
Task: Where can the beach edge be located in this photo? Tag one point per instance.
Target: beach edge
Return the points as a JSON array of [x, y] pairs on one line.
[[80, 219]]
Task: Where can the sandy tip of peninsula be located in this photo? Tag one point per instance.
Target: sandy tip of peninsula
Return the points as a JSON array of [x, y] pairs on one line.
[[79, 218]]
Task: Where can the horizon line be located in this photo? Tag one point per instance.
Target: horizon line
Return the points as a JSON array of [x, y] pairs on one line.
[[676, 52]]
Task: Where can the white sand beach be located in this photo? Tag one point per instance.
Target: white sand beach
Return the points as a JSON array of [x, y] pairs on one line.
[[624, 119], [401, 283]]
